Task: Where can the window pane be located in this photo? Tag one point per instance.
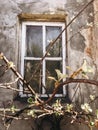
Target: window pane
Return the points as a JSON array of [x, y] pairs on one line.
[[51, 34], [30, 67], [50, 71], [34, 41]]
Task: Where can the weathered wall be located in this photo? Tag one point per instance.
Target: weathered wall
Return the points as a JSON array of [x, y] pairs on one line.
[[83, 44], [95, 32]]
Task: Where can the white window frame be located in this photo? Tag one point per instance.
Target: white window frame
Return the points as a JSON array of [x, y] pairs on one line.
[[23, 58]]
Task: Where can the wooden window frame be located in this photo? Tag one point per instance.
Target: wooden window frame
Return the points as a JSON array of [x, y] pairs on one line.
[[50, 20]]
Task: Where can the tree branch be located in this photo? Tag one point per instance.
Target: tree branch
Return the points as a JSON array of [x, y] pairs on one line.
[[52, 43], [19, 76], [88, 81]]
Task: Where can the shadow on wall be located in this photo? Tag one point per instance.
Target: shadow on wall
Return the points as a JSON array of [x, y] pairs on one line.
[[55, 122]]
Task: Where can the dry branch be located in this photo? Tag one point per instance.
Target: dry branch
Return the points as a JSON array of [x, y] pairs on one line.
[[41, 103], [52, 43], [19, 76]]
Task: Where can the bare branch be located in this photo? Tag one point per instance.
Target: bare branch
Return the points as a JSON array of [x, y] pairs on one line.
[[9, 87], [52, 43], [20, 77], [93, 82], [6, 84]]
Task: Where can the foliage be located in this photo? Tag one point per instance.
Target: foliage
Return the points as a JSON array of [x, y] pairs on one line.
[[37, 107]]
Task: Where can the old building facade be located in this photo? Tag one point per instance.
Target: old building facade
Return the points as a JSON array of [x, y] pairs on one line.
[[80, 39]]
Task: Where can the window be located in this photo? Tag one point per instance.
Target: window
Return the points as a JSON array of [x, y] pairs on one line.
[[36, 37]]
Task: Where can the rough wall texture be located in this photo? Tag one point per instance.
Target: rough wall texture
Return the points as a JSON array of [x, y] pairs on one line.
[[95, 39], [82, 38]]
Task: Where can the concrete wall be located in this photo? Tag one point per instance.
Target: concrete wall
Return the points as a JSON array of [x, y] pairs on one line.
[[84, 43]]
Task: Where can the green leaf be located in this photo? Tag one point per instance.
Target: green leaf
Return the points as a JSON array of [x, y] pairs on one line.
[[30, 100], [69, 68], [57, 105], [86, 68], [92, 123], [85, 75], [86, 107], [31, 113], [90, 69], [60, 75], [13, 109], [92, 97], [69, 107], [52, 78]]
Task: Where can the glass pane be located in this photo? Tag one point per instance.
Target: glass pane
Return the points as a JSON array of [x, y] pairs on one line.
[[30, 67], [51, 35], [34, 41], [50, 71]]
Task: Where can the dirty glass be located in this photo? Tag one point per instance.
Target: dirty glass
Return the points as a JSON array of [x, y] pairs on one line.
[[30, 67], [38, 38], [51, 34], [50, 71], [34, 46]]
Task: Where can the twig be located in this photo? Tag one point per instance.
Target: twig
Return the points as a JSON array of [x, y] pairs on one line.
[[52, 43], [20, 77], [77, 86], [41, 103], [8, 116], [93, 82], [6, 84], [9, 87], [7, 109], [44, 114]]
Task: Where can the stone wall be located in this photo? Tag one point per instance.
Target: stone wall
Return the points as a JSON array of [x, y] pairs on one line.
[[82, 40]]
